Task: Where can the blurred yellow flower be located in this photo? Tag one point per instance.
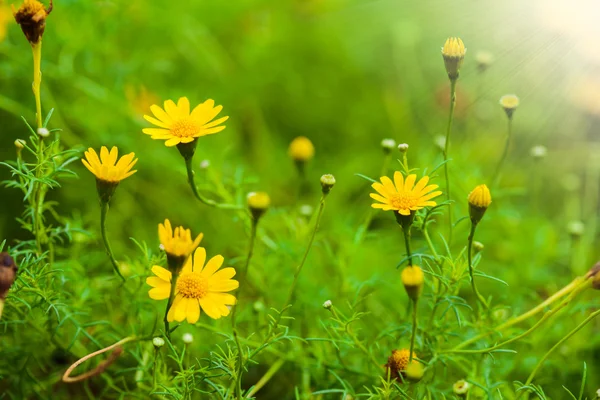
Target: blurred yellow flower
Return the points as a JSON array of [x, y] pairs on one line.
[[178, 242], [403, 195], [139, 98], [106, 168], [301, 149], [178, 125], [5, 17], [198, 286]]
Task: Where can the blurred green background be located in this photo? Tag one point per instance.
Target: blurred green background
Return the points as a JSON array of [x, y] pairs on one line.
[[346, 74]]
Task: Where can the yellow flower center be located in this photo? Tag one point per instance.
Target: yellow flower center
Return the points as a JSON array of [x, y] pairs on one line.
[[185, 127], [403, 201], [192, 285]]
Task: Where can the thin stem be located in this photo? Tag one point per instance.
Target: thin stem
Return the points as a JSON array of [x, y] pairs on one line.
[[496, 178], [169, 303], [37, 80], [103, 212], [406, 232], [208, 202], [557, 345], [470, 262], [577, 283], [267, 376], [1, 307], [360, 234], [414, 329], [446, 148], [295, 281], [244, 276]]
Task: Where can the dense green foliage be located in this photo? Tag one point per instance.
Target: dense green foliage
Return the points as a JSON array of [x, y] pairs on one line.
[[346, 74]]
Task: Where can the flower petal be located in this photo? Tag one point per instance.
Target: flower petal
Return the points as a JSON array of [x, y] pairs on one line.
[[199, 259], [399, 181], [162, 273], [409, 182], [192, 311], [213, 265], [160, 293]]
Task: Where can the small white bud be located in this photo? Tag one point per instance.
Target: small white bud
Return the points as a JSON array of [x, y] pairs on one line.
[[158, 342], [403, 147], [43, 132], [440, 142], [388, 145], [187, 338], [306, 210], [597, 394], [538, 151], [327, 305], [576, 228], [204, 164]]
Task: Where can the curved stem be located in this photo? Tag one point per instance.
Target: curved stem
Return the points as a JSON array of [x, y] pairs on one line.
[[414, 330], [208, 202], [557, 345], [496, 178], [446, 148], [103, 212], [244, 276], [470, 262]]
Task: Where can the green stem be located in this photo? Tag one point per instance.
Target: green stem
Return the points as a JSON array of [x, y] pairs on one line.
[[208, 202], [267, 376], [103, 212], [414, 330], [470, 262], [446, 148], [37, 80], [1, 307], [406, 232], [169, 302], [295, 281], [244, 276], [578, 284], [496, 178], [557, 345]]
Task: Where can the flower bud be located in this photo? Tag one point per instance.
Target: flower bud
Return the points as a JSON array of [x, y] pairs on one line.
[[8, 274], [453, 53], [327, 182], [479, 201], [31, 16], [440, 142], [403, 147], [301, 149], [43, 132], [204, 164], [414, 371], [187, 338], [478, 246], [327, 305], [158, 342], [509, 102], [597, 394], [259, 306], [484, 60], [258, 203], [306, 210], [388, 145], [20, 145], [538, 152], [576, 229], [461, 388], [412, 278]]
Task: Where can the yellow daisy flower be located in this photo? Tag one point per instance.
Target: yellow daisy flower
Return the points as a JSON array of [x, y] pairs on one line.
[[106, 168], [178, 125], [177, 242], [403, 195], [200, 285]]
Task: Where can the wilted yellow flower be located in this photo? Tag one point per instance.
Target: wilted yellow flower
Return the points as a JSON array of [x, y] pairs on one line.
[[178, 125], [403, 195], [31, 16], [412, 279], [177, 243], [454, 53], [479, 200], [301, 149], [398, 362], [106, 168], [198, 286]]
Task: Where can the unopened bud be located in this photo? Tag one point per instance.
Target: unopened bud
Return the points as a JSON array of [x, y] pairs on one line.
[[412, 278], [20, 145], [479, 201], [327, 305], [258, 203], [576, 229], [204, 164], [509, 102], [414, 371], [388, 145], [461, 388], [538, 152], [158, 342], [327, 182], [403, 147], [187, 338], [478, 246], [306, 210], [484, 60], [43, 132]]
